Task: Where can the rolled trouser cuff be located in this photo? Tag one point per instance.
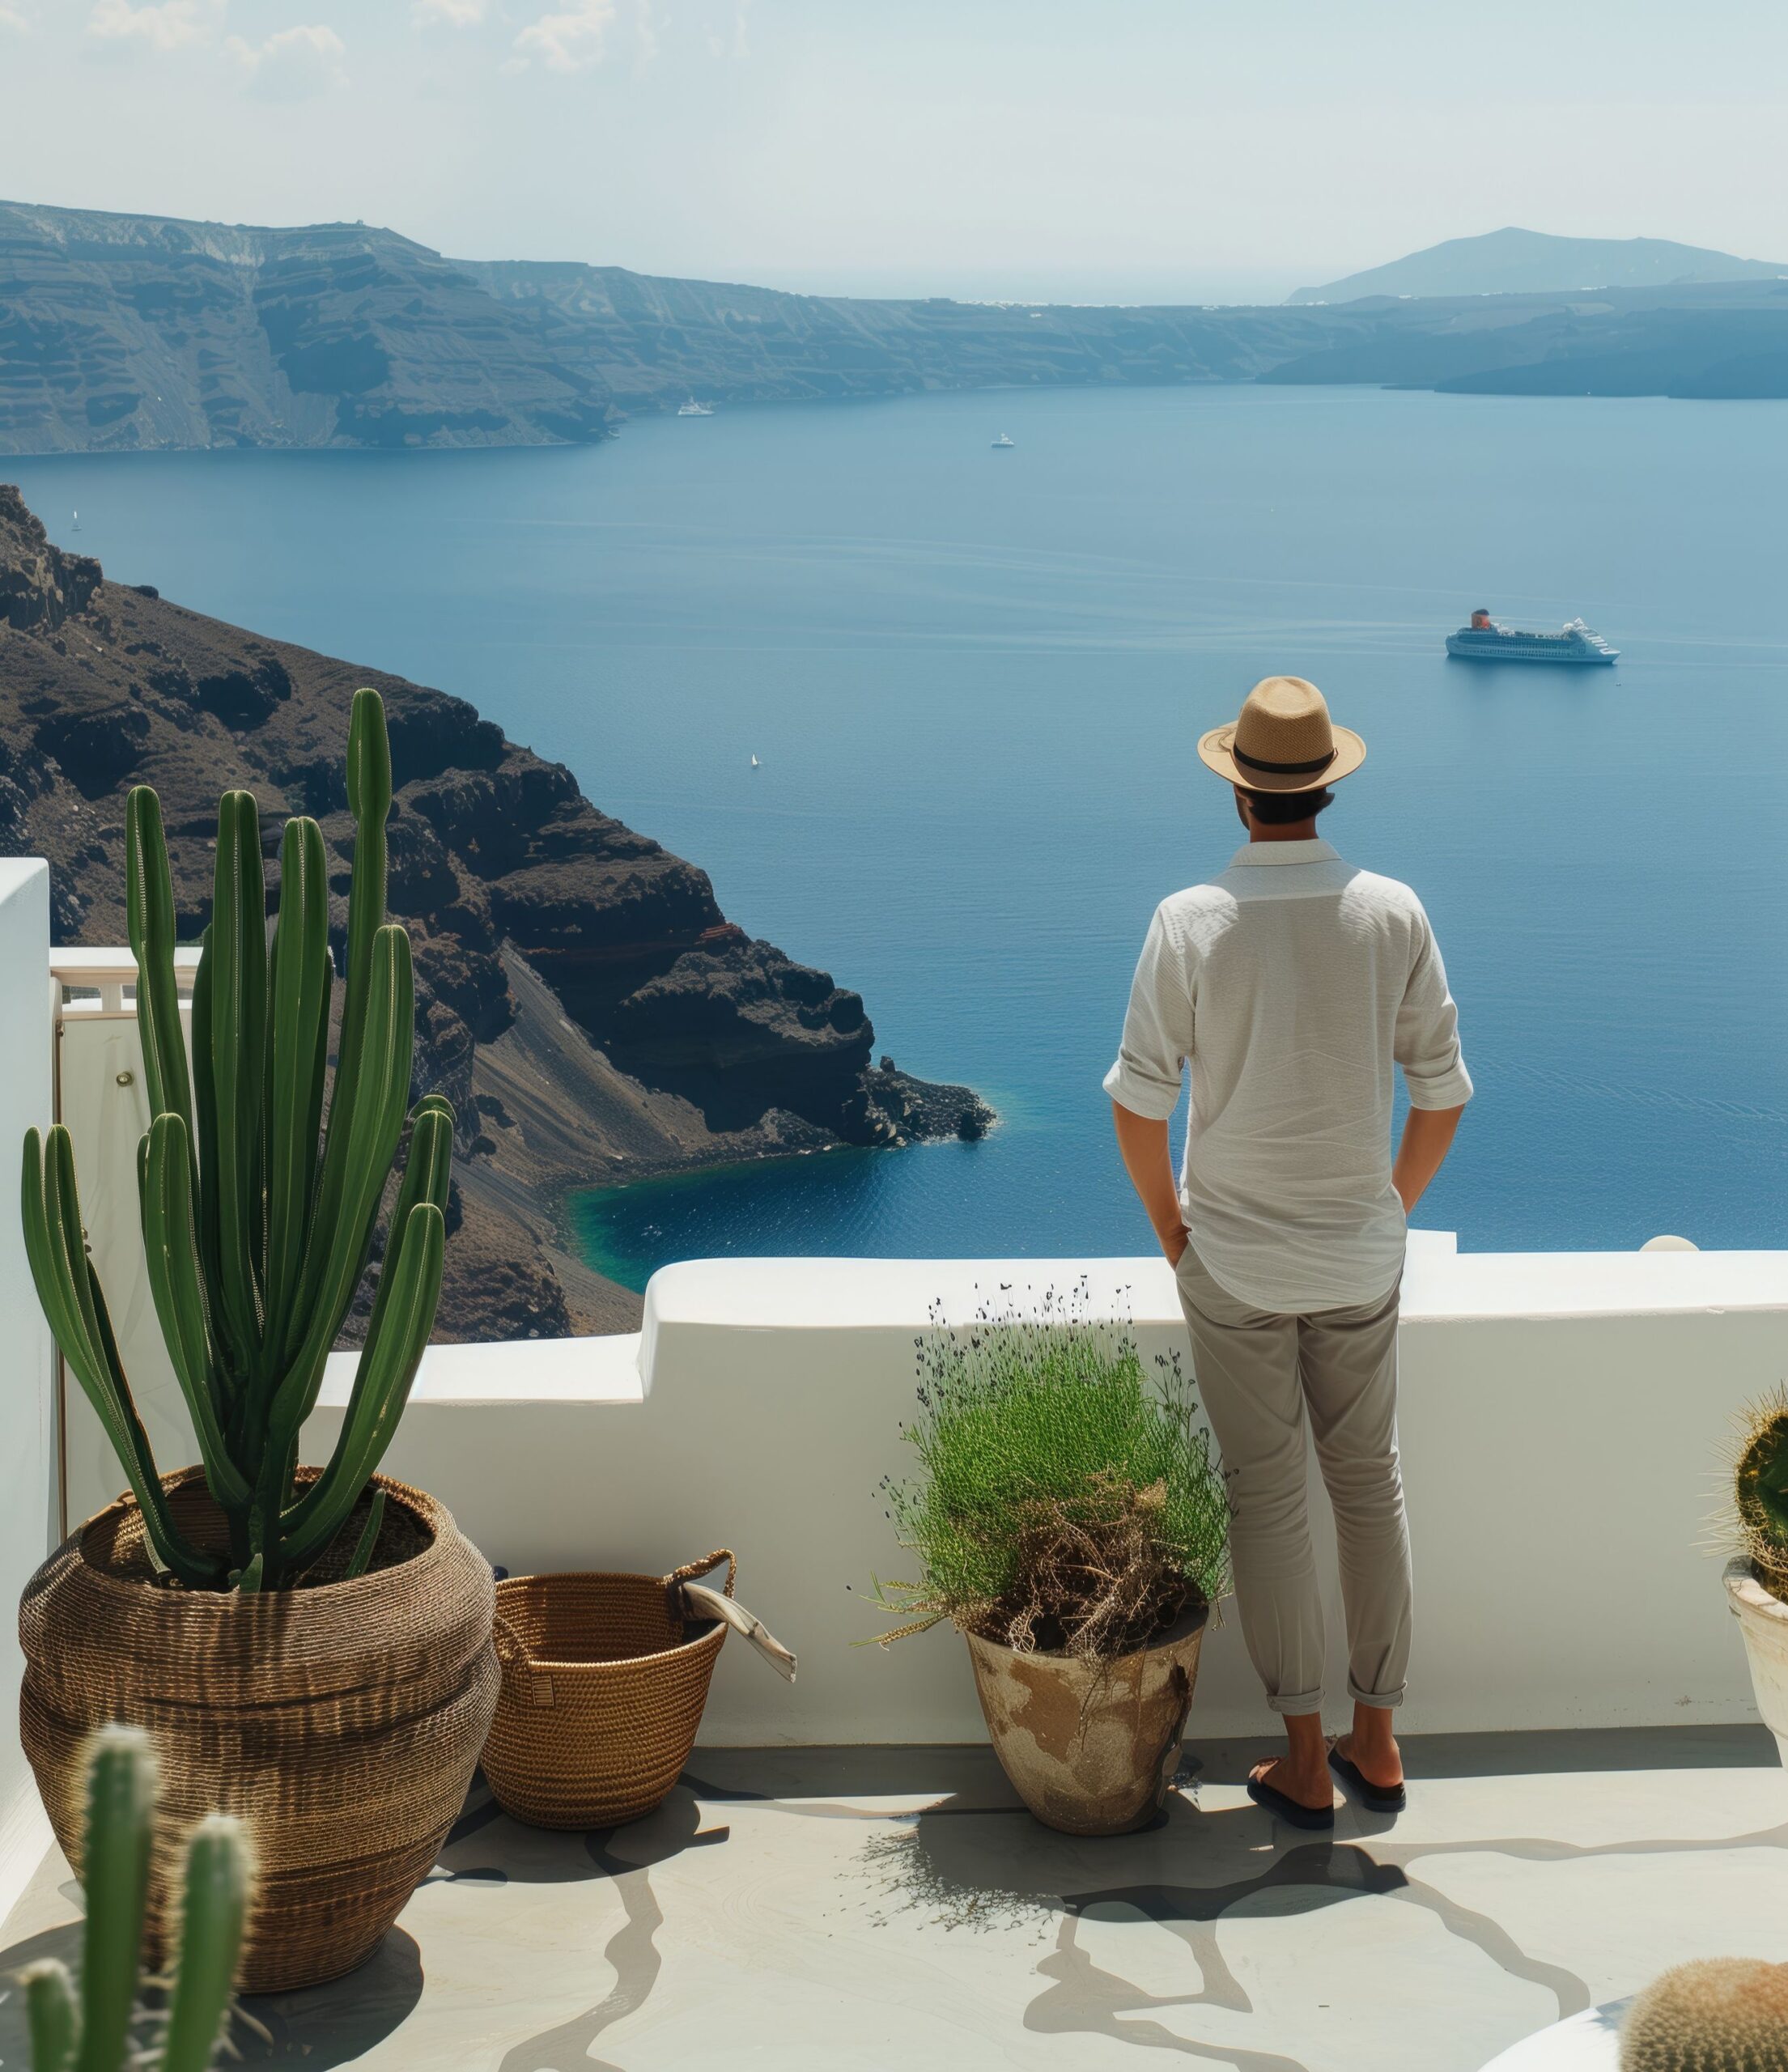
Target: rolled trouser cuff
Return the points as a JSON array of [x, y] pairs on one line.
[[1297, 1702], [1388, 1699]]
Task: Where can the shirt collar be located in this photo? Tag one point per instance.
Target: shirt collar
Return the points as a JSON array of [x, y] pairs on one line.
[[1316, 851]]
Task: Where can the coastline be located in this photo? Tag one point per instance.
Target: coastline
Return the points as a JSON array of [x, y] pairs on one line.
[[582, 1000]]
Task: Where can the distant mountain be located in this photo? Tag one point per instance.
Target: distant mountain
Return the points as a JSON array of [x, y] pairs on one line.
[[144, 331], [1530, 262], [120, 332], [1724, 342], [653, 342]]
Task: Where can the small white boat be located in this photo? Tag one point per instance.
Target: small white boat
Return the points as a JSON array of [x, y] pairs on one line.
[[76, 526], [755, 764], [1002, 441], [692, 409]]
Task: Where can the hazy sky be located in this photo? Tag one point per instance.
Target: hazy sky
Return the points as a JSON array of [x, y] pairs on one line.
[[1120, 149]]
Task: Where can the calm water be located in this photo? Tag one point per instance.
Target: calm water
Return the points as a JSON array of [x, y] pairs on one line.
[[974, 679]]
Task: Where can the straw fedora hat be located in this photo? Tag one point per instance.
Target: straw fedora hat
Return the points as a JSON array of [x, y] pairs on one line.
[[1284, 741]]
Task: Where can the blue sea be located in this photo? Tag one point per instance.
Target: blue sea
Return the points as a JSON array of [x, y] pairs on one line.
[[974, 679]]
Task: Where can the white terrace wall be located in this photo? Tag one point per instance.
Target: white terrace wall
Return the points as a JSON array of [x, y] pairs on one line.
[[1563, 1419], [29, 1505]]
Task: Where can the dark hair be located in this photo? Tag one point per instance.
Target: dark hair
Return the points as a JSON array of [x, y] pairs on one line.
[[1280, 809]]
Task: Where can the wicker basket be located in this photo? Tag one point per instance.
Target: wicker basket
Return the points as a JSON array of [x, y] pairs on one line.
[[604, 1680], [342, 1723]]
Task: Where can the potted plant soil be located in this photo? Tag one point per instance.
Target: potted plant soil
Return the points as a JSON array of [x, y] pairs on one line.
[[1068, 1519], [1756, 1579], [308, 1647]]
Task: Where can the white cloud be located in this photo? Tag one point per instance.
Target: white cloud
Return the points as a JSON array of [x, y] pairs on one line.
[[14, 21], [294, 64], [455, 13], [169, 25], [738, 45], [645, 34], [569, 39]]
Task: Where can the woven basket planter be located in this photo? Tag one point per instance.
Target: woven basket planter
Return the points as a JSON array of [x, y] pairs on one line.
[[342, 1720], [604, 1680]]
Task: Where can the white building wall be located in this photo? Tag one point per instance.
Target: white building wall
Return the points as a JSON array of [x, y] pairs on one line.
[[1563, 1418], [102, 1099], [30, 1506]]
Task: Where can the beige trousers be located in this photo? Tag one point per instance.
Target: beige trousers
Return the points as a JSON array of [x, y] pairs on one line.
[[1261, 1373]]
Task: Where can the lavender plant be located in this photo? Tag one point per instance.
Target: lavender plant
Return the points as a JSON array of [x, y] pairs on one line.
[[1065, 1499]]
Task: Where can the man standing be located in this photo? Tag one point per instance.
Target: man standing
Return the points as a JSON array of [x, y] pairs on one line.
[[1293, 983]]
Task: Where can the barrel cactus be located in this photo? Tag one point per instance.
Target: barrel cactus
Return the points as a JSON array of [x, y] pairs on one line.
[[91, 2027], [258, 1207], [1725, 2015], [1760, 1486]]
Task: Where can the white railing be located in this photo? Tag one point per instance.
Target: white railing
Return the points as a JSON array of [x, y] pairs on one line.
[[100, 1096], [30, 1492]]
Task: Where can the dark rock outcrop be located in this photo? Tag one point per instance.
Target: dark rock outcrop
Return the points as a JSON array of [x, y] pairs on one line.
[[40, 585], [582, 1001]]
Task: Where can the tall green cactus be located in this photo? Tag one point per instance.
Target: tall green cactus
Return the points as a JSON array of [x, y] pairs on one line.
[[89, 2029], [258, 1211], [1760, 1489]]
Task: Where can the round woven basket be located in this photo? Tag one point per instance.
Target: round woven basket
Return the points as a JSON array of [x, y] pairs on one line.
[[604, 1681], [341, 1721]]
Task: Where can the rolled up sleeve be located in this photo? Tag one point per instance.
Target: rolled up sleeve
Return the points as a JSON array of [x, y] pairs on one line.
[[1158, 1030], [1427, 1044]]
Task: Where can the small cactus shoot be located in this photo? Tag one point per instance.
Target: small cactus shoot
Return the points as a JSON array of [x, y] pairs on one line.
[[91, 2029]]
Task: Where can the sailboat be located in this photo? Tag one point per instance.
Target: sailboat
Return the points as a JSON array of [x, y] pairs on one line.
[[76, 526], [755, 764]]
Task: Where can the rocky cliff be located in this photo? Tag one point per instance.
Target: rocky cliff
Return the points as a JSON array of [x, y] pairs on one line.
[[119, 332], [123, 332], [592, 1014], [651, 342]]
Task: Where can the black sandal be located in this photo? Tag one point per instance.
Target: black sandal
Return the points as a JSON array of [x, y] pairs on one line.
[[1317, 1818], [1375, 1798]]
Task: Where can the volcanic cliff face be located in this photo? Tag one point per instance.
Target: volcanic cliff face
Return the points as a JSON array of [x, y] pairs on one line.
[[120, 331], [582, 1001]]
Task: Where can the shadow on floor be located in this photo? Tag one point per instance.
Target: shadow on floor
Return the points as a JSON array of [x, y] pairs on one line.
[[321, 2028], [971, 1771]]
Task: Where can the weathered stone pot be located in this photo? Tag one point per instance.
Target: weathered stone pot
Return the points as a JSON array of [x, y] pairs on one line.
[[1763, 1620], [1090, 1748], [341, 1721]]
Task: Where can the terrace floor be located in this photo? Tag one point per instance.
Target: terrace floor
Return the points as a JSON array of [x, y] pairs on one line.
[[849, 1910]]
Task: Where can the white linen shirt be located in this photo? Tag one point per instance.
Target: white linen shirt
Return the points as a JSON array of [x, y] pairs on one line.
[[1292, 984]]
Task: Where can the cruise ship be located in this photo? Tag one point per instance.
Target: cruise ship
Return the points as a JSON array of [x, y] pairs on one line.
[[692, 409], [1485, 639]]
